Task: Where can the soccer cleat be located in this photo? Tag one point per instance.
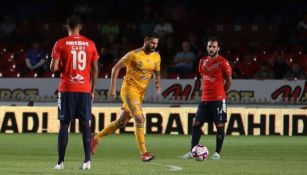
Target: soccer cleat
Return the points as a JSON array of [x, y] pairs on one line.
[[216, 156], [94, 143], [147, 156], [86, 165], [59, 166], [187, 156]]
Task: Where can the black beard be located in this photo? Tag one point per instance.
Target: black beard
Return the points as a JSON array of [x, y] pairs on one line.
[[148, 49], [212, 54]]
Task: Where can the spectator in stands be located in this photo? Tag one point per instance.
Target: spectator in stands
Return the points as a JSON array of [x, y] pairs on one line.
[[7, 27], [183, 61], [236, 73], [129, 31], [24, 31], [302, 30], [264, 72], [35, 58], [296, 73], [163, 28], [165, 31], [84, 9], [280, 66], [110, 28], [176, 10], [146, 25], [248, 67], [302, 25], [196, 48]]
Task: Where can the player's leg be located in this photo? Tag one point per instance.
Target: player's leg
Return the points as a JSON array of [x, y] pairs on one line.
[[113, 126], [133, 101], [140, 137], [110, 128], [220, 117], [65, 113], [62, 141], [196, 132], [139, 132], [197, 124], [220, 127], [86, 138], [84, 113]]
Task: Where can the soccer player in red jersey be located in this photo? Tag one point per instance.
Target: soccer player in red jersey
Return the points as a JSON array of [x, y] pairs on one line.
[[76, 58], [216, 77]]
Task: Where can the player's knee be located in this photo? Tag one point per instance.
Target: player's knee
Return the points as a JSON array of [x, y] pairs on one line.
[[220, 125], [121, 124], [195, 123], [139, 119], [220, 132]]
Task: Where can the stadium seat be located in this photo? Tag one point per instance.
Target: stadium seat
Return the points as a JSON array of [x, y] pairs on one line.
[[7, 56], [189, 76], [104, 74], [268, 58], [19, 48], [3, 47], [11, 74], [297, 49], [48, 74], [7, 65], [261, 49], [30, 74], [302, 60], [172, 76]]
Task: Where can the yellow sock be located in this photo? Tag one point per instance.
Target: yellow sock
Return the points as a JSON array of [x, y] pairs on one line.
[[140, 137], [109, 129]]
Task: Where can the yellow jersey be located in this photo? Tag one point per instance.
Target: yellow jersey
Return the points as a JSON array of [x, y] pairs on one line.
[[139, 69]]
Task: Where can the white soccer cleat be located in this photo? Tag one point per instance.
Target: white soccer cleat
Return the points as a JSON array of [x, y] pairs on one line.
[[86, 166], [216, 156], [59, 166], [187, 156]]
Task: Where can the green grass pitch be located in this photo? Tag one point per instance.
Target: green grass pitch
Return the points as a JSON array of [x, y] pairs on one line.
[[118, 155]]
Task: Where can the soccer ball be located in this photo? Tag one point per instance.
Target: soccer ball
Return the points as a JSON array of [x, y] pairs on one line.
[[200, 152]]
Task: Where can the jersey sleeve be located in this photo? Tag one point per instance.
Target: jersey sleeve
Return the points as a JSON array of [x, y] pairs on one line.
[[56, 51], [127, 58], [227, 71]]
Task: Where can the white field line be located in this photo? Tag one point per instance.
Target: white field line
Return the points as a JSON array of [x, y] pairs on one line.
[[170, 167]]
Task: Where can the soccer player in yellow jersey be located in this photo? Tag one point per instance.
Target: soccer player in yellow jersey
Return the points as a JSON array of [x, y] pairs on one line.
[[141, 64]]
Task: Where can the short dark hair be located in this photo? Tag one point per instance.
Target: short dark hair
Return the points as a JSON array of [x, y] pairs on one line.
[[213, 39], [151, 35], [73, 20]]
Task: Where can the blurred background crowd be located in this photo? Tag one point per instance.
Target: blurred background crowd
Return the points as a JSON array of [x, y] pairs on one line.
[[261, 39]]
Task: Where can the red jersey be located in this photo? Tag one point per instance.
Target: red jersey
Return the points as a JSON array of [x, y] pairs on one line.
[[76, 53], [213, 73]]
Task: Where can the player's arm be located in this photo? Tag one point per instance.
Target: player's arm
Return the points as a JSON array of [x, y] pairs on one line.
[[228, 81], [114, 74], [157, 79], [55, 65], [94, 76], [227, 72]]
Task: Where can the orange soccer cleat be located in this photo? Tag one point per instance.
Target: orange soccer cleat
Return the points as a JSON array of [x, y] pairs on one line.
[[147, 156]]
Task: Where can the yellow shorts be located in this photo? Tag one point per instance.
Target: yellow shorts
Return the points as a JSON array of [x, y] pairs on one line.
[[132, 102]]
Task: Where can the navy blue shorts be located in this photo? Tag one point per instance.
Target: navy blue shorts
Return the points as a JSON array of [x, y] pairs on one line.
[[73, 105], [212, 111]]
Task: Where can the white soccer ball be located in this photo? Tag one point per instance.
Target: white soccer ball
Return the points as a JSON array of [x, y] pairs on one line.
[[200, 152]]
